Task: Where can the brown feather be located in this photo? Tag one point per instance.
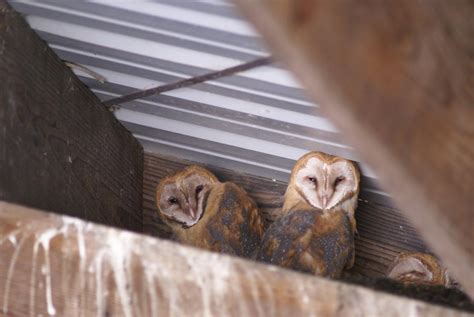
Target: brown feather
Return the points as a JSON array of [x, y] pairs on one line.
[[309, 241]]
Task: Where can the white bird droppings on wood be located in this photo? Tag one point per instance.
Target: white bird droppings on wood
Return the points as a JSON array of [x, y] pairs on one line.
[[92, 270]]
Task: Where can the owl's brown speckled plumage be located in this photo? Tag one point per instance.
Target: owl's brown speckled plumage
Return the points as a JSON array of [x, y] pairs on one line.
[[230, 221], [315, 233], [310, 241], [418, 268]]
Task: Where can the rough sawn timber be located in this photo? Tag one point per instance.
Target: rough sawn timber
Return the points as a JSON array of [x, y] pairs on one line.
[[57, 265], [60, 149]]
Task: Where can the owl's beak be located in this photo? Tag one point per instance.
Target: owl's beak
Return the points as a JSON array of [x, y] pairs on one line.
[[325, 200], [192, 212]]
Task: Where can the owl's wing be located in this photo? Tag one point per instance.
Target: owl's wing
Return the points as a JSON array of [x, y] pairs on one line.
[[287, 242], [308, 242], [236, 223]]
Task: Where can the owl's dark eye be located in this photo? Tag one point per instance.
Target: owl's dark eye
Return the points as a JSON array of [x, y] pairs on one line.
[[199, 188], [172, 200], [313, 180], [338, 180]]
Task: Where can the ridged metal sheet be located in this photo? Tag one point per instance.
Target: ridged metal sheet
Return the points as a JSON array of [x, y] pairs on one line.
[[257, 122]]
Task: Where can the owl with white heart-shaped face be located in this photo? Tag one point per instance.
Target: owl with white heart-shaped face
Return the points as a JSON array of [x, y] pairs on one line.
[[203, 212], [315, 232], [324, 182]]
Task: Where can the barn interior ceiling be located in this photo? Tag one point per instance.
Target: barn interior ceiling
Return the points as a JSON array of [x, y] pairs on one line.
[[257, 122]]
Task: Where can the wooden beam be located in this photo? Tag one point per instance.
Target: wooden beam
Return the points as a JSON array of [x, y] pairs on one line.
[[383, 231], [56, 265], [397, 78], [60, 149]]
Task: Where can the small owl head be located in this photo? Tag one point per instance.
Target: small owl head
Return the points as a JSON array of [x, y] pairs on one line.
[[419, 268], [324, 181], [181, 197]]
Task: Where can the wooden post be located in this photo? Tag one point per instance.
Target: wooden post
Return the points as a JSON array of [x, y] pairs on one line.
[[60, 149], [57, 265], [397, 78]]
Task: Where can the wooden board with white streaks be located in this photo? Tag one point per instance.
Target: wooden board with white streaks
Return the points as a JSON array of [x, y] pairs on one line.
[[57, 265]]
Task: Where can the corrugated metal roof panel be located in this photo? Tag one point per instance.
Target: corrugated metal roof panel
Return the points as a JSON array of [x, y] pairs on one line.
[[258, 121]]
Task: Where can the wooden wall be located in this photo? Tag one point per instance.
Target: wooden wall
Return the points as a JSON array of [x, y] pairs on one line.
[[60, 149], [383, 231]]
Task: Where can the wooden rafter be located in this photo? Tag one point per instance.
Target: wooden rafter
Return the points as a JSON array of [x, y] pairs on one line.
[[397, 78]]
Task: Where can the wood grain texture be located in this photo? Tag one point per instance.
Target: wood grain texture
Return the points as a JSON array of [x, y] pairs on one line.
[[60, 149], [57, 265], [396, 78], [383, 231]]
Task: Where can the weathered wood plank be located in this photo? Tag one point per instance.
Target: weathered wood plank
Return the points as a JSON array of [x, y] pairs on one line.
[[60, 149], [56, 265], [383, 231], [397, 78]]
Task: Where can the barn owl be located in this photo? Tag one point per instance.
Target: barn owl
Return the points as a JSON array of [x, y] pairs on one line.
[[418, 268], [315, 233], [205, 213], [325, 182]]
